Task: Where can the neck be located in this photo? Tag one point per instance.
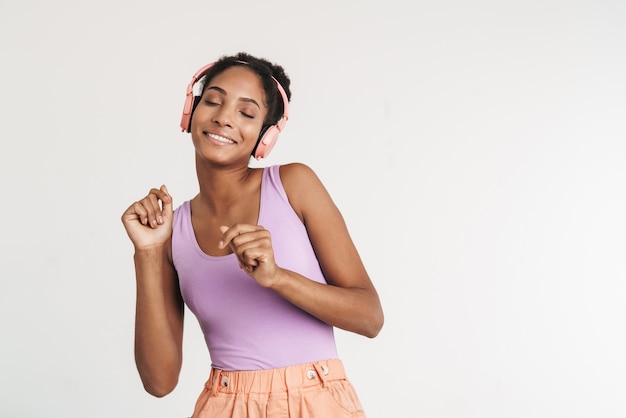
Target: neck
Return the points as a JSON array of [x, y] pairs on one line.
[[221, 187]]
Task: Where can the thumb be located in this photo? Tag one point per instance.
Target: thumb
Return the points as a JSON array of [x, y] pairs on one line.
[[168, 203]]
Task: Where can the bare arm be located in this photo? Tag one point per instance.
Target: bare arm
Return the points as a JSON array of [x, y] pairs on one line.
[[349, 301], [159, 309]]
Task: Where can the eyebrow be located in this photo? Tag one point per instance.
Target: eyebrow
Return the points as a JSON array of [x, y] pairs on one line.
[[243, 99]]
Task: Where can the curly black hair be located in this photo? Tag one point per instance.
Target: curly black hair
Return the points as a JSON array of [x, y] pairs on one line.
[[265, 70]]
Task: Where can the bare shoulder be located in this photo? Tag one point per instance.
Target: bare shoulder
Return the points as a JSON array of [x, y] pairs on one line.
[[293, 174], [303, 187]]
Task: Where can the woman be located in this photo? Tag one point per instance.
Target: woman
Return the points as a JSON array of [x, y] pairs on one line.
[[261, 256]]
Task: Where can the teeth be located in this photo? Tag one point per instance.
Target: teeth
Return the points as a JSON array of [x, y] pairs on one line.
[[221, 139]]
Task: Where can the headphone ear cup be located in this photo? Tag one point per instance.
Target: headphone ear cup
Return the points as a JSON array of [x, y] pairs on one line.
[[267, 140], [185, 120], [196, 100], [191, 102]]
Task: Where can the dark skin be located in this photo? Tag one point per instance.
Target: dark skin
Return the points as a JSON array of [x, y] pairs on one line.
[[224, 130]]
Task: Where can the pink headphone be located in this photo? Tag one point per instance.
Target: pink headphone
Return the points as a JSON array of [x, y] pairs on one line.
[[269, 133]]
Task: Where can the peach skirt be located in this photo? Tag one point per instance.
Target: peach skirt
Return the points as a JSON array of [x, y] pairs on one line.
[[311, 390]]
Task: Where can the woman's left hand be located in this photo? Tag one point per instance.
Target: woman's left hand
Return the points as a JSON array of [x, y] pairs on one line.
[[252, 245]]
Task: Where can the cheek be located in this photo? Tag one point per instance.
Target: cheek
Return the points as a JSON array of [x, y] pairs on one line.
[[252, 130], [199, 114]]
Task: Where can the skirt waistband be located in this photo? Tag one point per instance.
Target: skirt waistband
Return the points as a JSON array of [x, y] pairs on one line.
[[276, 380]]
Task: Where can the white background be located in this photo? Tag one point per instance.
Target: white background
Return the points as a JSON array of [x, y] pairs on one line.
[[476, 149]]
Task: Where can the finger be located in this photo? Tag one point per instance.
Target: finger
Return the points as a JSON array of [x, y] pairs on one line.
[[229, 234], [222, 244], [162, 194], [168, 202], [152, 204], [254, 252], [252, 248], [136, 211], [236, 239]]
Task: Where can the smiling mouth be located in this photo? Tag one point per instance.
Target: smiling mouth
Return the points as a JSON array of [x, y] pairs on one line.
[[220, 139]]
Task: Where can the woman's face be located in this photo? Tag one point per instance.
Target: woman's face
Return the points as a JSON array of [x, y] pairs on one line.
[[229, 117]]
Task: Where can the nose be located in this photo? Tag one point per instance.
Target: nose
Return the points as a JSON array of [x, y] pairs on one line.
[[223, 116]]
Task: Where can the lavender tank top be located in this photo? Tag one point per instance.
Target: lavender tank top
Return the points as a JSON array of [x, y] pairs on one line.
[[246, 326]]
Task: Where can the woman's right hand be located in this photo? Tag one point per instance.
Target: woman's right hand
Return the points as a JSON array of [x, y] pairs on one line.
[[148, 222]]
